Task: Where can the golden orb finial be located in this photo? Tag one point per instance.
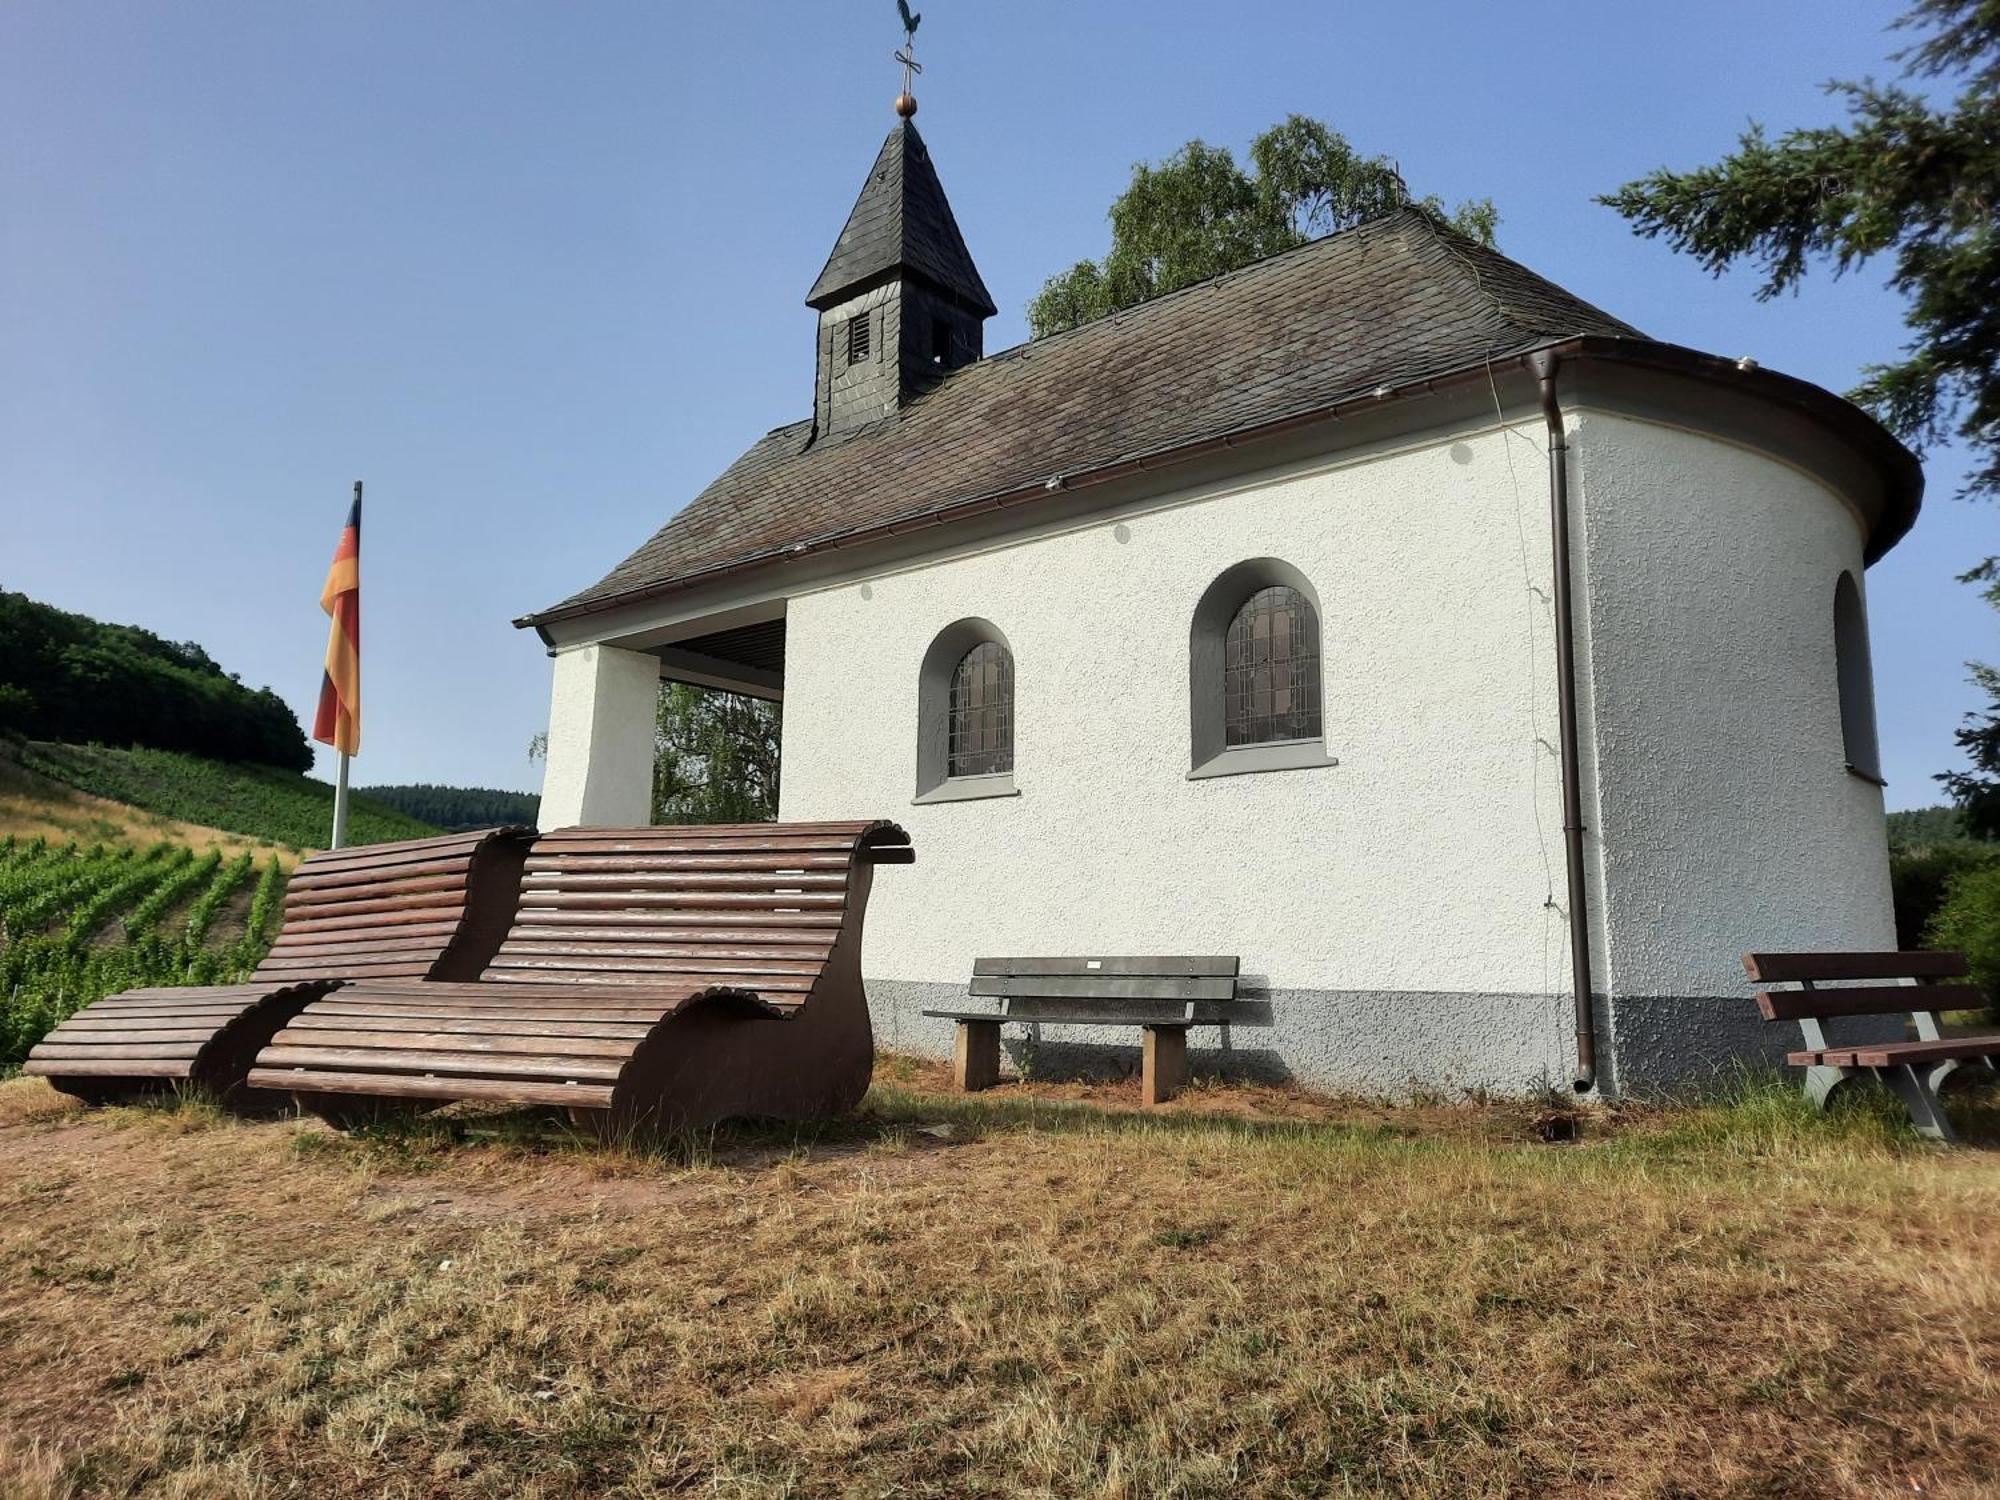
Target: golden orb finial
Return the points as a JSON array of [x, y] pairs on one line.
[[906, 104]]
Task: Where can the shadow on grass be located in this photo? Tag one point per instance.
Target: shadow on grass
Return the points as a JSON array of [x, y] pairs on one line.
[[1759, 1116]]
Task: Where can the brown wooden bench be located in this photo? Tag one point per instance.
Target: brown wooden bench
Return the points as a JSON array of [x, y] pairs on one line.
[[1914, 1069], [652, 977], [421, 909], [1165, 996]]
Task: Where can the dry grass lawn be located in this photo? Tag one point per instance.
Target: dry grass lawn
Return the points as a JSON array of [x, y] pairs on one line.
[[1038, 1292], [33, 806]]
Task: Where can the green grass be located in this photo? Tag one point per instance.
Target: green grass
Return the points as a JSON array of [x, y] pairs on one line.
[[260, 801]]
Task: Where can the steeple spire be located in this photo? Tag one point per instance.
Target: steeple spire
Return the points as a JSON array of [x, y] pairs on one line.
[[902, 222]]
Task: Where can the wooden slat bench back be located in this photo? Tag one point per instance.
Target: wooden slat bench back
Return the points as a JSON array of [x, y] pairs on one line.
[[419, 909], [615, 932], [755, 907], [1913, 1068]]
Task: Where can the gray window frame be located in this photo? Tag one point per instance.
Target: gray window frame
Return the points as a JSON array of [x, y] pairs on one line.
[[1209, 754], [934, 678], [1854, 681]]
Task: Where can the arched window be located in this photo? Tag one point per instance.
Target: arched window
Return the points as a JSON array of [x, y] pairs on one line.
[[1270, 670], [965, 715], [1856, 680], [981, 733], [1254, 688]]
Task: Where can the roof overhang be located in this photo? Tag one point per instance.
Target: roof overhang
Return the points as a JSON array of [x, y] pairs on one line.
[[1825, 433]]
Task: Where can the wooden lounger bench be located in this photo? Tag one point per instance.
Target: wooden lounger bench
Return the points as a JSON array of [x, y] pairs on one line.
[[1914, 1069], [420, 909], [652, 977], [1163, 995]]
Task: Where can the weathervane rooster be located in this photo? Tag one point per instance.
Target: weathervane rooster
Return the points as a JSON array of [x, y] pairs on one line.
[[906, 102]]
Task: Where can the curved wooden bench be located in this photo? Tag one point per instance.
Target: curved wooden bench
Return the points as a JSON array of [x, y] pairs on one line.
[[653, 977], [423, 908]]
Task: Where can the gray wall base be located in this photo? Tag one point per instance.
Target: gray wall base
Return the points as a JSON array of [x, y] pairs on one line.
[[1379, 1044], [1688, 1045], [1399, 1044]]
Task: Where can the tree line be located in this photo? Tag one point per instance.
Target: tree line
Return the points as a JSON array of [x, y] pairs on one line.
[[69, 677], [458, 808]]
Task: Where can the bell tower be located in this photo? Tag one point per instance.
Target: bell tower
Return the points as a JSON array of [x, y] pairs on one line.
[[900, 303]]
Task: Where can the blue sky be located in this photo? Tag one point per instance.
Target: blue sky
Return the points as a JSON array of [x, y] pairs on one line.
[[535, 272]]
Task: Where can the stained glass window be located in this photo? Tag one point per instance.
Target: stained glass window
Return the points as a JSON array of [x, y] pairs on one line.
[[1270, 673], [982, 712]]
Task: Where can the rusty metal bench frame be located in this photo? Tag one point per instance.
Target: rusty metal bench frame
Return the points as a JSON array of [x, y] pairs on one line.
[[1915, 1070], [652, 978], [418, 909], [1164, 996]]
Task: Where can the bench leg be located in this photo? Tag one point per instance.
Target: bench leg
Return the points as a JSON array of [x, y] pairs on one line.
[[1164, 1069], [1917, 1088], [975, 1056], [1821, 1081]]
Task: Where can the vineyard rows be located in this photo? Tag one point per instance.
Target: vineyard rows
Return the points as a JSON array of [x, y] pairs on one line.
[[78, 924]]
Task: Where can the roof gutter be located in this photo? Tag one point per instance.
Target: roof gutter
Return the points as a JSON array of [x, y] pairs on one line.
[[1903, 474], [1544, 363]]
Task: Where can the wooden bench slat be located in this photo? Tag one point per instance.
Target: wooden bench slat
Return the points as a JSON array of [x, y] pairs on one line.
[[555, 1068], [311, 878], [580, 1008], [819, 923], [303, 898], [1786, 968], [459, 1026], [578, 866], [94, 1033], [1191, 966], [785, 956], [671, 881], [64, 1051], [1867, 1000], [124, 1067], [565, 1045], [405, 1086], [1094, 987], [817, 935], [535, 902], [1174, 1019], [1894, 1054], [418, 937]]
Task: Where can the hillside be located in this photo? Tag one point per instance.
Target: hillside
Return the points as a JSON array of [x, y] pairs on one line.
[[262, 802], [32, 806], [68, 677]]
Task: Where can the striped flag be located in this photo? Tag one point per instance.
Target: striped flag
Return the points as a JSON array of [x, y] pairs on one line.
[[338, 722]]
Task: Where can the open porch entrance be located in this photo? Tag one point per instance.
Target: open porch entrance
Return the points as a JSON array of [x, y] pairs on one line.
[[604, 707]]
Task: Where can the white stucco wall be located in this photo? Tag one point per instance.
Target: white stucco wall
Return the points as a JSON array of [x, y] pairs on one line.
[[1727, 819], [1422, 863], [600, 752]]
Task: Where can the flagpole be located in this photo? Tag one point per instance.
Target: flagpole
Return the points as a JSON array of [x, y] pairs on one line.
[[340, 805]]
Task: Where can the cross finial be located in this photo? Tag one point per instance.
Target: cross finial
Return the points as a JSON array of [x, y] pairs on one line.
[[906, 102]]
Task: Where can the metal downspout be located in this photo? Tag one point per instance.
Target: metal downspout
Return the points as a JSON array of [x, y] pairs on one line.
[[1544, 364]]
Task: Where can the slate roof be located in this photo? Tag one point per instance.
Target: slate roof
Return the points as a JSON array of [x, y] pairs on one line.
[[1394, 300], [901, 221]]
